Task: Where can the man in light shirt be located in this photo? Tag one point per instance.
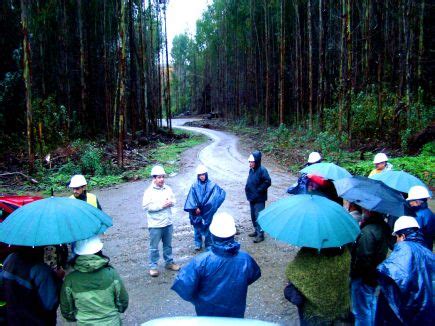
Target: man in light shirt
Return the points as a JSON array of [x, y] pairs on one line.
[[158, 200]]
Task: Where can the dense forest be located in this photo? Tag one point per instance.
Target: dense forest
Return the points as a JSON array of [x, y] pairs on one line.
[[74, 69], [357, 71], [360, 71]]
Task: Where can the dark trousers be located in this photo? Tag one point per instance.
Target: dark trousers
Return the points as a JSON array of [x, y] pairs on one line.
[[256, 208]]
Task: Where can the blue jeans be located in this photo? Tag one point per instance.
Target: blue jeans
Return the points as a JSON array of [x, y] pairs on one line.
[[256, 208], [363, 302], [157, 234], [200, 231]]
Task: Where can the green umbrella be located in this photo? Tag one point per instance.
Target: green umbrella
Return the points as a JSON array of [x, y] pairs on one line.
[[326, 170], [53, 221], [309, 221], [399, 180]]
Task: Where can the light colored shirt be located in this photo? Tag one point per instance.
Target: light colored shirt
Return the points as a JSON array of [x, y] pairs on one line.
[[153, 200]]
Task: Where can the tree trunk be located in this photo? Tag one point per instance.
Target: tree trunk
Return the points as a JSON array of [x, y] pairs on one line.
[[122, 82], [310, 67], [27, 76], [281, 64], [320, 86], [82, 110], [168, 84]]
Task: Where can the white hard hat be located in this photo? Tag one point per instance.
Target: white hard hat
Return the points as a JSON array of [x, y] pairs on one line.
[[89, 246], [251, 158], [418, 192], [77, 180], [314, 157], [405, 222], [201, 169], [157, 170], [379, 158], [223, 225]]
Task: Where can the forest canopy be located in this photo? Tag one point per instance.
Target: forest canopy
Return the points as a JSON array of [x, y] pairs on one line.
[[357, 72]]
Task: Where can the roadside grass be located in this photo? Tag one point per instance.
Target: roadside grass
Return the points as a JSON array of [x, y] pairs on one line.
[[291, 147], [101, 172]]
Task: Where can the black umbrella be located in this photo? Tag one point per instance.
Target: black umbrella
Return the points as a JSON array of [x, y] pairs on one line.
[[372, 195]]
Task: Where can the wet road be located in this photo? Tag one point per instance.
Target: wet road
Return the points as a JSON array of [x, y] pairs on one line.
[[126, 243]]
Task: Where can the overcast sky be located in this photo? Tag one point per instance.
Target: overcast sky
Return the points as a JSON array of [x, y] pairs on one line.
[[182, 16]]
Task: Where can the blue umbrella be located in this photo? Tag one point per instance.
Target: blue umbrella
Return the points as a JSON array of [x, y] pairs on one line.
[[327, 170], [309, 221], [53, 221], [372, 195], [399, 180]]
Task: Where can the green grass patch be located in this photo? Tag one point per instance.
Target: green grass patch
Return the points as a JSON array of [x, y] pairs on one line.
[[100, 172]]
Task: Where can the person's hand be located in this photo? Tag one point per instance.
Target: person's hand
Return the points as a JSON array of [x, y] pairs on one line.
[[60, 273], [197, 211], [167, 203]]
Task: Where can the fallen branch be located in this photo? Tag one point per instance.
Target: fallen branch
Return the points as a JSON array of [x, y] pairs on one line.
[[19, 173]]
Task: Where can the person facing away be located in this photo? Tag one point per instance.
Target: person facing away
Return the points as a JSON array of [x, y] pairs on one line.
[[256, 192], [381, 164], [301, 186], [405, 279], [217, 281], [202, 202], [417, 199], [30, 288], [368, 251], [78, 185], [93, 293], [158, 200]]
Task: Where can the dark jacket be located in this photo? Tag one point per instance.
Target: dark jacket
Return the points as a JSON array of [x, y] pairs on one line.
[[216, 282], [258, 181], [31, 290], [208, 197], [426, 220], [370, 249], [406, 286]]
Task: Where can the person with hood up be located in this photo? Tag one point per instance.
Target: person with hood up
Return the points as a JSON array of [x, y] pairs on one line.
[[202, 202], [417, 199], [368, 251], [93, 294], [78, 185], [381, 164], [217, 281], [301, 186], [30, 288], [256, 192], [405, 279]]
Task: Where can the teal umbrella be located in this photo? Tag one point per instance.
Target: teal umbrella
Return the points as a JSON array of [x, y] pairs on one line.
[[326, 170], [399, 180], [53, 221], [309, 221]]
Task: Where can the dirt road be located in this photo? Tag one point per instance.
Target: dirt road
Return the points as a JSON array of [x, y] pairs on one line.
[[126, 243]]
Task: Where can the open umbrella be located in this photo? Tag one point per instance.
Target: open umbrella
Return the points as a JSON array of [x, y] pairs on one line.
[[399, 180], [327, 170], [53, 221], [372, 195], [309, 221]]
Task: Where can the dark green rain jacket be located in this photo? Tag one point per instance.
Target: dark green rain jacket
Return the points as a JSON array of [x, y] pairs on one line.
[[93, 293]]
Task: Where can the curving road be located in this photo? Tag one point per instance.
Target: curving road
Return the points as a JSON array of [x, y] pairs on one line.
[[126, 243]]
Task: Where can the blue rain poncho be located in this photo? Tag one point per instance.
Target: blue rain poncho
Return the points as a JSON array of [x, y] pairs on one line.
[[217, 281], [405, 279], [208, 197]]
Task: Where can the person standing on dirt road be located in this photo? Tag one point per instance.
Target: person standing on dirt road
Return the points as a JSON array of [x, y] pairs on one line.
[[202, 202], [217, 281], [158, 200], [78, 184], [256, 192]]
